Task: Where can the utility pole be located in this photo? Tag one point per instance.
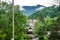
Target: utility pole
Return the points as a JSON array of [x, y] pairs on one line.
[[0, 4], [13, 19]]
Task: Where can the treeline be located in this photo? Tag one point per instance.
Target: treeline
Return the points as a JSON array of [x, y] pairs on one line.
[[52, 11], [47, 26], [20, 22]]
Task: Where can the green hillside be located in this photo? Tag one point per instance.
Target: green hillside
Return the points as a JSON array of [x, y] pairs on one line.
[[52, 11], [48, 19]]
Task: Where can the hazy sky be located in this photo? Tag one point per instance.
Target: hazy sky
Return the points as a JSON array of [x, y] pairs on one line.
[[34, 2], [22, 3]]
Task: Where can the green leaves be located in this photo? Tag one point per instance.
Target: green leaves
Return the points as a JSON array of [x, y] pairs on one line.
[[2, 35], [51, 11], [20, 21], [48, 21]]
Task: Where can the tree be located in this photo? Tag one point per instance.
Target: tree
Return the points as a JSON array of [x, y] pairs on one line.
[[6, 22]]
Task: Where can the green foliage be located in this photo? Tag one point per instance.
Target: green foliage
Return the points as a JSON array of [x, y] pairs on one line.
[[40, 30], [52, 11], [58, 23], [20, 21], [49, 20], [2, 35], [48, 23]]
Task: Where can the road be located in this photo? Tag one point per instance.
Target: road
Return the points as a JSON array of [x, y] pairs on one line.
[[31, 28]]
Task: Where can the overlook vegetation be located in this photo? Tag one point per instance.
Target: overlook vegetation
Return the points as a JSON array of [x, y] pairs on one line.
[[48, 20], [6, 22], [52, 11]]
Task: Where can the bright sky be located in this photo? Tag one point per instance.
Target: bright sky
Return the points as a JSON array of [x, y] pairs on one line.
[[34, 2]]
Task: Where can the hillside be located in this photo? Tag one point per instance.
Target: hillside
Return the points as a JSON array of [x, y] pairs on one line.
[[29, 10], [52, 11]]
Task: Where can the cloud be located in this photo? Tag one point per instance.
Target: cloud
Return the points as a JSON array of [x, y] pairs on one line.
[[21, 8], [34, 2], [40, 8]]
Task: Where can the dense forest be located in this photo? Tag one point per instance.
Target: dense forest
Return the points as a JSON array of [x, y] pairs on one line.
[[48, 20], [52, 11], [6, 22], [48, 23]]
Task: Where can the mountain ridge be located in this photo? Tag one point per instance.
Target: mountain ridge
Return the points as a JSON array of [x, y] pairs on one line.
[[29, 10], [47, 11]]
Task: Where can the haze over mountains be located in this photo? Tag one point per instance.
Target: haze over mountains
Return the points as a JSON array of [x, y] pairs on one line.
[[29, 10]]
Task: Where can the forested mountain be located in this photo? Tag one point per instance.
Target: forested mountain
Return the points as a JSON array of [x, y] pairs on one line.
[[29, 10], [48, 20], [52, 11]]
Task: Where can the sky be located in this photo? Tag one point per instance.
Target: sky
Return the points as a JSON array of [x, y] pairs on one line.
[[34, 2]]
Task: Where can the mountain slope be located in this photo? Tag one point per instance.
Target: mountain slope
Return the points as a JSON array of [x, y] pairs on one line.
[[29, 10], [52, 11]]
